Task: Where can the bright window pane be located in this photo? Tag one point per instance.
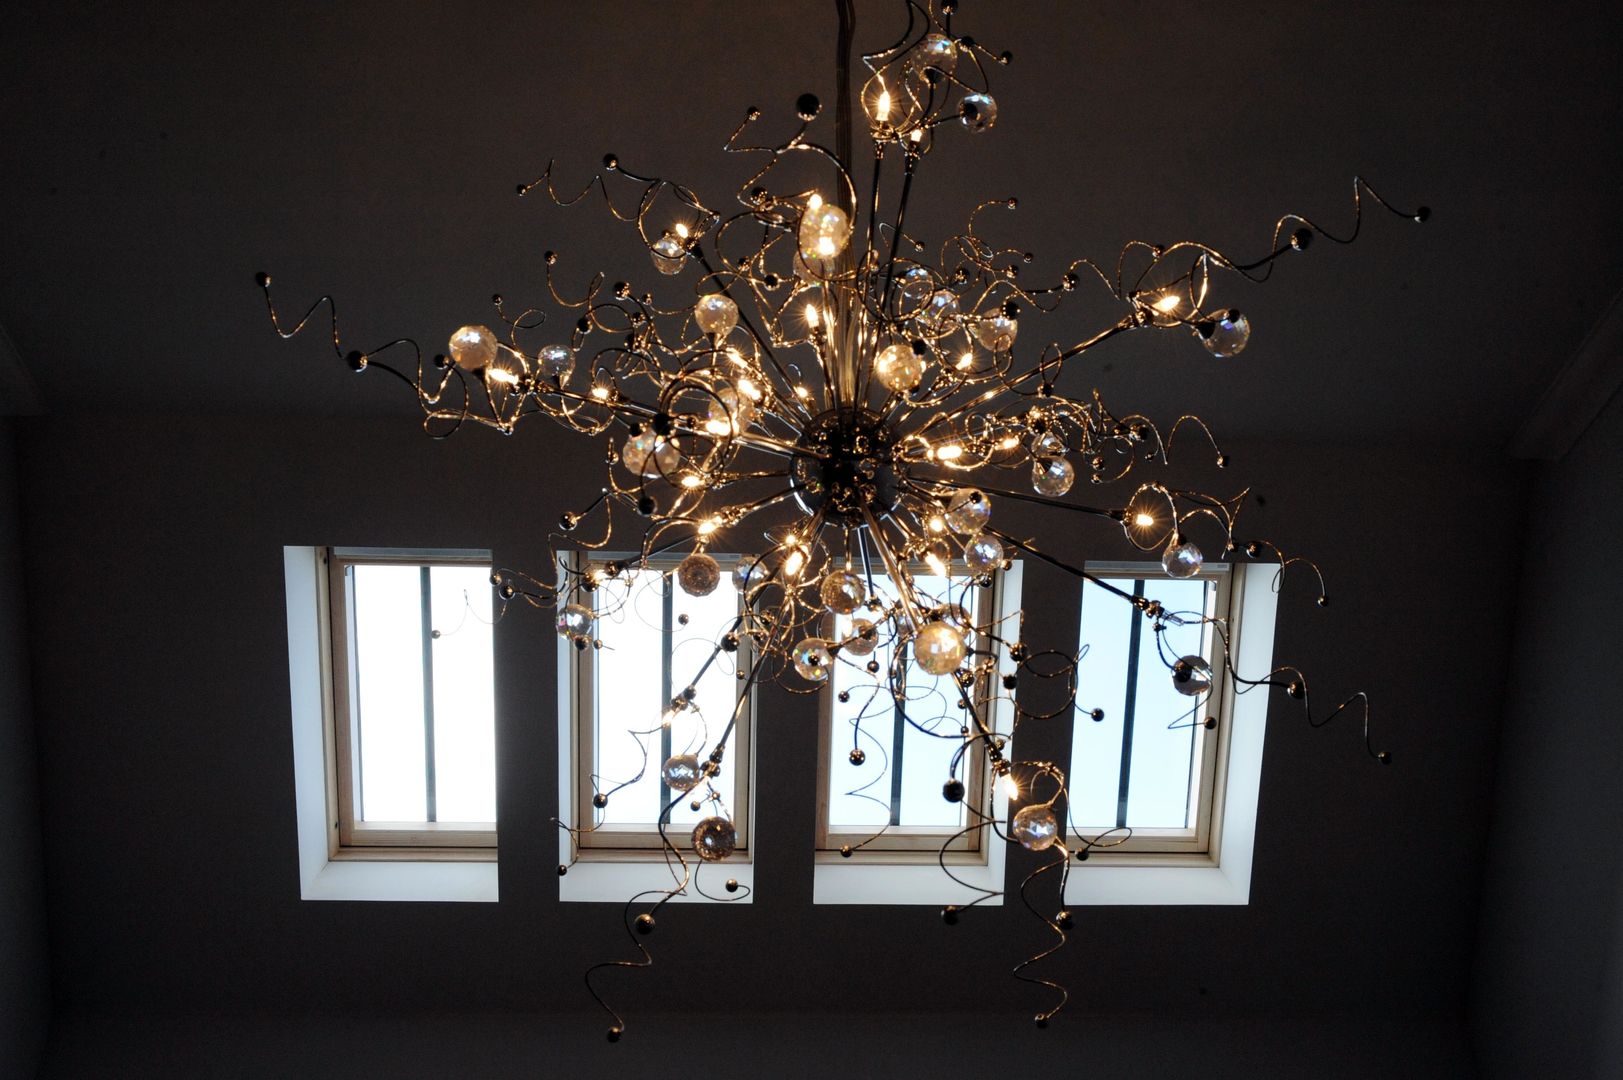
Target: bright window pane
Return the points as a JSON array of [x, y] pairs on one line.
[[861, 797], [1166, 732], [632, 692], [389, 693], [464, 695]]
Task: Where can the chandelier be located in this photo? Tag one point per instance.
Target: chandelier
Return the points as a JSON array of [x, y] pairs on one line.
[[848, 406]]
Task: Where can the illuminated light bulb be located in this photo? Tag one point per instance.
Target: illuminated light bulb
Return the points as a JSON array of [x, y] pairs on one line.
[[824, 230], [750, 390], [950, 452], [1010, 786], [692, 480], [1008, 442], [1035, 827], [968, 512], [966, 361], [1168, 303], [709, 525], [936, 557], [1143, 520], [681, 230], [811, 316], [917, 135], [737, 357], [472, 347], [939, 648], [669, 253], [898, 368], [881, 107], [936, 523], [802, 393], [503, 376], [729, 412], [794, 562], [600, 392], [716, 314]]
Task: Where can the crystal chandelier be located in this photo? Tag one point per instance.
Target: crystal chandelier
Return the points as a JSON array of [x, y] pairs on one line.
[[844, 404]]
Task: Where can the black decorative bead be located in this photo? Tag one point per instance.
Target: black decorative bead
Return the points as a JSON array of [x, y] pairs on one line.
[[1300, 239], [356, 361], [610, 162], [645, 923], [562, 869], [1010, 682], [731, 885], [1096, 715], [646, 506], [262, 279], [953, 790], [662, 423], [857, 756], [1422, 215], [845, 851], [949, 914], [807, 106], [600, 800], [615, 1033], [1082, 855], [1384, 757], [1063, 920]]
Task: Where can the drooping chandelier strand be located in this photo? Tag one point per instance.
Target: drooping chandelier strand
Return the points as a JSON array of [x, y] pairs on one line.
[[845, 405]]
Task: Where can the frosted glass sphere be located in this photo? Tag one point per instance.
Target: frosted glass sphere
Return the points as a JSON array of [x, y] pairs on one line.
[[824, 232], [1052, 476], [939, 311], [812, 659], [983, 553], [1181, 560], [716, 314], [748, 571], [473, 347], [1229, 333], [978, 112], [860, 643], [681, 772], [997, 333], [728, 412], [574, 621], [843, 592], [557, 361], [1035, 827], [916, 287], [939, 648], [968, 511], [935, 51], [669, 255], [698, 574], [714, 839], [1192, 676], [899, 368], [650, 455]]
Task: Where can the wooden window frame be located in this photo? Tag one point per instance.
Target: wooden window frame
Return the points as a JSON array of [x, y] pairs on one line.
[[634, 843], [378, 841], [1201, 841], [920, 844]]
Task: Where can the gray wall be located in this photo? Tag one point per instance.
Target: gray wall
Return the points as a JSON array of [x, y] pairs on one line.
[[166, 757], [1549, 994], [25, 993]]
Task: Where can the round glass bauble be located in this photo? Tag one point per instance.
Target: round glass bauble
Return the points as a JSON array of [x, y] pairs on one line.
[[1035, 827], [939, 648], [698, 574]]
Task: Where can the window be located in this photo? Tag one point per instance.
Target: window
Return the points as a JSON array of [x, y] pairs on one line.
[[651, 643], [1181, 772], [412, 714], [1149, 763], [413, 734], [895, 792], [884, 760]]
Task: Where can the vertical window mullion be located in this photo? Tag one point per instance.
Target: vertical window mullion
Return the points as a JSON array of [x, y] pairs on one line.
[[427, 624], [1129, 706], [667, 622], [898, 743]]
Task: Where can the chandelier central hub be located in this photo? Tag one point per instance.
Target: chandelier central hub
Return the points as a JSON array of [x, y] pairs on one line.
[[845, 466]]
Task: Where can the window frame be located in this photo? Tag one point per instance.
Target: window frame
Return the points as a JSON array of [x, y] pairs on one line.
[[1206, 780], [351, 839], [920, 844], [578, 668]]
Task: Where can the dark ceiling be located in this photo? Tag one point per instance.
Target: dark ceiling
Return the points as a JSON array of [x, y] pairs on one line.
[[158, 157]]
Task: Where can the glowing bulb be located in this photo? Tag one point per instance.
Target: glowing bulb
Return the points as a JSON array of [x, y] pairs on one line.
[[814, 201], [937, 565], [793, 564], [1010, 786], [692, 480], [966, 360], [811, 315], [737, 357], [936, 524], [802, 392], [749, 389], [918, 135], [601, 393], [501, 375], [709, 525], [681, 230], [1168, 303], [882, 108], [950, 452], [1008, 442], [1143, 520]]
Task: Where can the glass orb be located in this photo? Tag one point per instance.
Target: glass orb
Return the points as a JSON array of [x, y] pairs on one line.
[[939, 648], [716, 314], [899, 368], [728, 412], [861, 643], [1052, 476], [813, 660], [1181, 560], [669, 255], [824, 232], [681, 772], [984, 553], [1048, 445], [1035, 827], [714, 839], [698, 574], [473, 347], [557, 361], [650, 455], [997, 333], [1192, 676], [915, 289], [574, 621], [935, 51], [939, 312], [978, 112], [1229, 332], [968, 511], [748, 571], [843, 592]]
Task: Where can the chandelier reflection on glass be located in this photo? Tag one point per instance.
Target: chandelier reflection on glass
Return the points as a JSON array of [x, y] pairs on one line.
[[848, 407]]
